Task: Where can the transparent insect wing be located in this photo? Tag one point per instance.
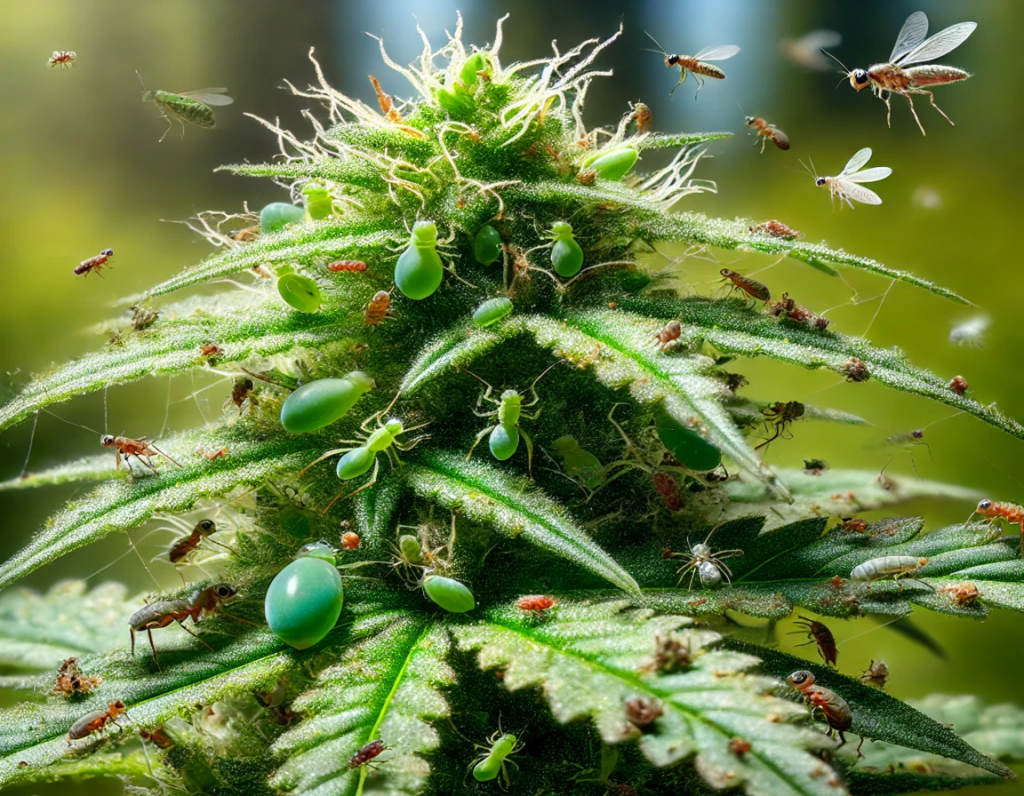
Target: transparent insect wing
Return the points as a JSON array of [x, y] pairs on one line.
[[869, 175], [817, 39], [911, 35], [209, 96], [858, 193], [938, 45], [719, 53], [857, 162]]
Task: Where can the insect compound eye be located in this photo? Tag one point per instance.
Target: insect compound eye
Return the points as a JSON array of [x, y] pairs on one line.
[[917, 434], [748, 120], [671, 60], [107, 440], [820, 181], [225, 591], [860, 77], [207, 525], [108, 252], [985, 505], [726, 273]]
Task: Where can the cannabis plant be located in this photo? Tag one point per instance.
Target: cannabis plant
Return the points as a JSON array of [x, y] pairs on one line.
[[549, 613]]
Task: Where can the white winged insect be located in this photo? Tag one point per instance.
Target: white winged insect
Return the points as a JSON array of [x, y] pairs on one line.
[[846, 184], [899, 77], [806, 51], [697, 63]]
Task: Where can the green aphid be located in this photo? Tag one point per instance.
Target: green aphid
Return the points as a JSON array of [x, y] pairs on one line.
[[189, 106]]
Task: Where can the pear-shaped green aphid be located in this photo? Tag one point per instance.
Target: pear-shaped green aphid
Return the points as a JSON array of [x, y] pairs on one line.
[[305, 598]]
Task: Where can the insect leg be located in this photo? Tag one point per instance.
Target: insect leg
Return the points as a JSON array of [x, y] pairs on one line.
[[888, 108], [170, 124], [152, 646], [931, 98], [910, 102], [682, 77], [700, 85], [529, 451], [368, 484], [182, 626], [479, 437]]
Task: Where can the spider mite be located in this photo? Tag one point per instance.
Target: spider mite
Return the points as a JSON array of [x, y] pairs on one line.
[[71, 681], [753, 288], [350, 540], [855, 370], [666, 486], [876, 676], [367, 753], [833, 707], [820, 635], [854, 525], [211, 350], [186, 545], [899, 77], [782, 416], [162, 613], [963, 593], [958, 385], [62, 58], [767, 132], [379, 308], [669, 334], [94, 264], [698, 64], [140, 448], [775, 229], [702, 561], [95, 721], [346, 266], [1010, 512], [536, 604]]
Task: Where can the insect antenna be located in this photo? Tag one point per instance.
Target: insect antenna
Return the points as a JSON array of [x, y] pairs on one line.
[[661, 50], [845, 72], [139, 76]]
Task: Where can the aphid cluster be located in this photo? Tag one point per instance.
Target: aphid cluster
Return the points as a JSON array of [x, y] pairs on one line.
[[536, 604], [855, 370]]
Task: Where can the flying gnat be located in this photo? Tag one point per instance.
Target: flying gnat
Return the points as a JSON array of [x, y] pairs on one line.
[[899, 77], [698, 64], [846, 185], [767, 132], [806, 51], [189, 106], [970, 332]]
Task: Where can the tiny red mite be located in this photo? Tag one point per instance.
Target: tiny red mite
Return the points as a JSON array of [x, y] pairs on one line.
[[346, 266], [768, 132], [819, 634], [94, 264], [775, 229], [367, 753], [739, 746], [958, 385], [350, 540], [95, 721], [753, 288], [536, 603], [378, 309], [666, 486], [211, 350]]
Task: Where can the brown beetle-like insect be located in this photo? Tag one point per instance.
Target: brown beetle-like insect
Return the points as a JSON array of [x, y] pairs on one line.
[[379, 308], [367, 753], [833, 707], [95, 721], [958, 385], [753, 288], [819, 634], [669, 334], [94, 264]]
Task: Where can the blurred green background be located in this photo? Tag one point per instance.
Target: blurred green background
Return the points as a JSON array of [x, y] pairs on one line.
[[82, 171]]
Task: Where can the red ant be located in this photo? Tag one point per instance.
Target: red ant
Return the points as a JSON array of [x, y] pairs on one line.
[[139, 448]]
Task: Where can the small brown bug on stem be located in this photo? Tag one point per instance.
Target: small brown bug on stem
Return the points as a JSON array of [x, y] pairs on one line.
[[350, 540], [367, 753], [819, 634], [71, 681], [346, 266], [241, 391], [143, 317], [767, 132], [211, 350], [184, 546], [855, 370], [246, 235], [379, 308], [669, 334], [140, 448], [833, 707], [536, 604], [157, 736], [94, 264], [775, 229], [95, 721], [642, 115], [876, 676], [642, 711], [958, 385], [753, 288], [782, 416], [739, 746]]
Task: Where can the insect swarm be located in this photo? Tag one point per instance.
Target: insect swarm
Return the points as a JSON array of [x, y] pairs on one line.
[[846, 185], [96, 721], [192, 107], [94, 264], [767, 132], [899, 77], [697, 64], [819, 635]]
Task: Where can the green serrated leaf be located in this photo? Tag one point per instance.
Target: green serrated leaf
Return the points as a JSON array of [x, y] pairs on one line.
[[513, 507], [592, 657], [877, 715], [628, 358], [123, 505], [388, 687]]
